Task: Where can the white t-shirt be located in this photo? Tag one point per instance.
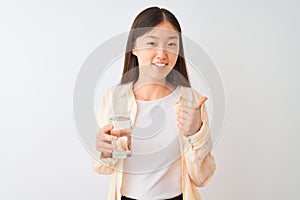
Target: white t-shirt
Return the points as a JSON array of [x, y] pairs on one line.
[[154, 169]]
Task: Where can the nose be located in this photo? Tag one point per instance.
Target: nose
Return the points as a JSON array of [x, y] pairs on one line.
[[161, 53]]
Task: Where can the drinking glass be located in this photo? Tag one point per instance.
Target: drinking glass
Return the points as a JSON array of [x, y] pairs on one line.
[[122, 122]]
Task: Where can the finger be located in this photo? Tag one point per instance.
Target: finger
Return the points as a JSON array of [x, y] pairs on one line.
[[104, 150], [180, 116], [187, 112], [182, 127], [109, 138], [201, 101], [120, 133], [183, 116], [107, 128], [181, 112], [106, 146], [187, 116], [105, 137], [184, 109], [107, 142], [185, 124]]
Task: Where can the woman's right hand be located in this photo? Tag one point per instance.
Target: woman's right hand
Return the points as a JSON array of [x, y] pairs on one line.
[[103, 141]]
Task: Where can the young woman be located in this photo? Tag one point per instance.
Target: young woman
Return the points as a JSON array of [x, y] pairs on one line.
[[171, 162]]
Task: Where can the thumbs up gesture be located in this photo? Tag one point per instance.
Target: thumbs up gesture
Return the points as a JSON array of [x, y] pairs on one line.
[[189, 119]]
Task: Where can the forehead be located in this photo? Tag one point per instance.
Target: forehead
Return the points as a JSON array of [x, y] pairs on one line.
[[164, 30]]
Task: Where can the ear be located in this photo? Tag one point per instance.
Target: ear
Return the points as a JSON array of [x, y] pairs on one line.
[[134, 51]]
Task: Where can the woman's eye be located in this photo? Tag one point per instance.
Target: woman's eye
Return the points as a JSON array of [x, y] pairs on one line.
[[151, 43], [172, 44]]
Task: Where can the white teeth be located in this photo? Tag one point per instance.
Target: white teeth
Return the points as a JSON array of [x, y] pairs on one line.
[[160, 65]]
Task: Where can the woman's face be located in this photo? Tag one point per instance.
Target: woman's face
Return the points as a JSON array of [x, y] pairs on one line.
[[157, 51]]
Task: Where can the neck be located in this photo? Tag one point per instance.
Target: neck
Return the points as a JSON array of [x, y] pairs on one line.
[[146, 90]]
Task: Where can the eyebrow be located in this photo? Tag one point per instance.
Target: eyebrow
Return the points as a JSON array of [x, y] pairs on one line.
[[151, 36]]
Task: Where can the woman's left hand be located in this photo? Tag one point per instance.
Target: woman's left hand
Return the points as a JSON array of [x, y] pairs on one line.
[[189, 119]]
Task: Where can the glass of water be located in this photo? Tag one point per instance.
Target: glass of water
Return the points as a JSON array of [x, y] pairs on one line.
[[122, 122]]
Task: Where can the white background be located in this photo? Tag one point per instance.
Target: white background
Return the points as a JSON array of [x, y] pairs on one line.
[[254, 44]]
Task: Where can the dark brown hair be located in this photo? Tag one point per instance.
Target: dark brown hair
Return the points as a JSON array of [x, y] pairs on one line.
[[143, 23]]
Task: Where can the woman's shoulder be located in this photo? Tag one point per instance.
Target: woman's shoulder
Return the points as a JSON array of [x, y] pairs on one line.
[[119, 89]]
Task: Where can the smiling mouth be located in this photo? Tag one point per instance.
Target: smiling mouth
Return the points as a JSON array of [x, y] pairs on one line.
[[160, 65]]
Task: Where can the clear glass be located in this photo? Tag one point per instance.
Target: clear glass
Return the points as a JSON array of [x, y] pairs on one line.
[[122, 121]]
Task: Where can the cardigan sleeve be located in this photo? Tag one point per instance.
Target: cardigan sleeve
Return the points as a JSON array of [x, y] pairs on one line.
[[199, 160], [104, 165]]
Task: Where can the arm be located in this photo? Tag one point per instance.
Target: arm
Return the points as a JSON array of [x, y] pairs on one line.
[[199, 160], [104, 164]]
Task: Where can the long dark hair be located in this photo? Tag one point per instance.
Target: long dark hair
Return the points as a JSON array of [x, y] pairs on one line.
[[143, 23]]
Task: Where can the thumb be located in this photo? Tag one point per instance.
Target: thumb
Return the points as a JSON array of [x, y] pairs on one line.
[[201, 101], [107, 128]]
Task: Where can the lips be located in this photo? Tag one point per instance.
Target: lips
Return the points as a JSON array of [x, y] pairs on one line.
[[160, 65]]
